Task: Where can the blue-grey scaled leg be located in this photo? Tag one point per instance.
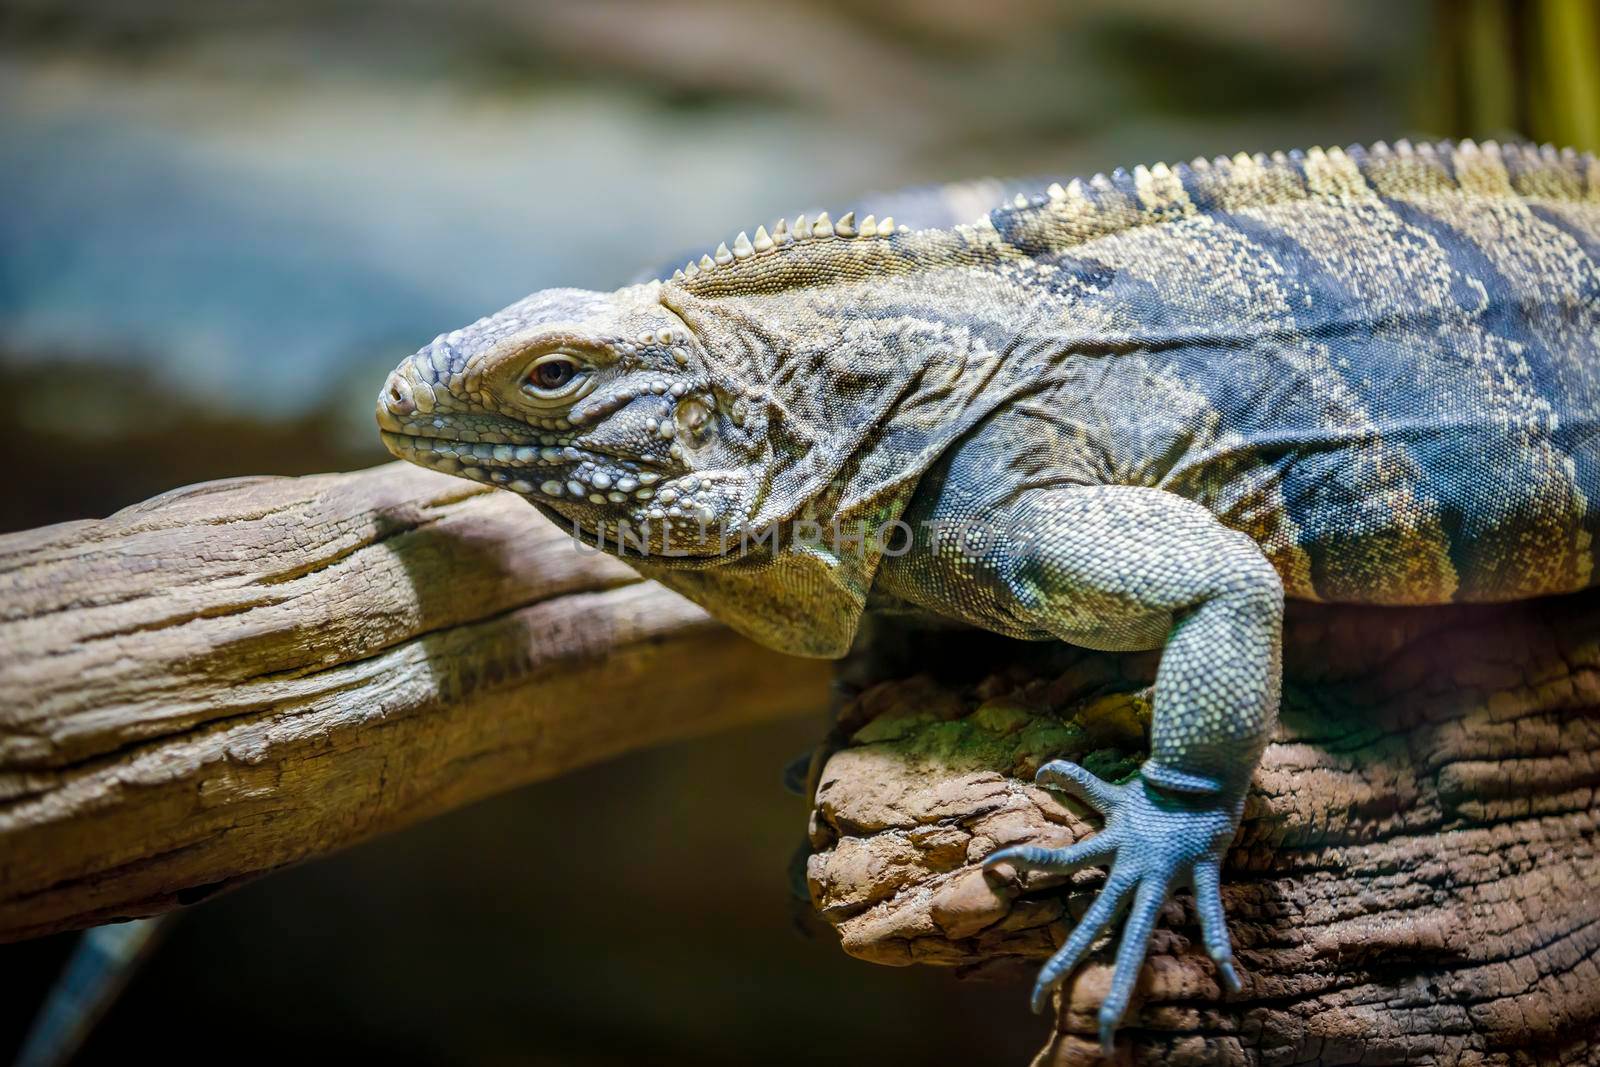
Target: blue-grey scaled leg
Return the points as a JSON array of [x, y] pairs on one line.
[[1116, 567]]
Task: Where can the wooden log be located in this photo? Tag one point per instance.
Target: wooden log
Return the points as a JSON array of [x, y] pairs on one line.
[[1417, 879], [244, 674]]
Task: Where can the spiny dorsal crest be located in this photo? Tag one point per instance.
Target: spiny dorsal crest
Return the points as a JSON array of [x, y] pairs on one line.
[[784, 233], [1086, 208]]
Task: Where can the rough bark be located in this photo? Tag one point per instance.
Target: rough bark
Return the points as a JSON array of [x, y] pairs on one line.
[[244, 674], [1417, 879]]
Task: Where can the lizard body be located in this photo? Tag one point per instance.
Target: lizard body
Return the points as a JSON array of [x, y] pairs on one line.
[[1134, 412]]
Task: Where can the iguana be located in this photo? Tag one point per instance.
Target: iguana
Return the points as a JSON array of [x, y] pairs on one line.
[[1132, 412]]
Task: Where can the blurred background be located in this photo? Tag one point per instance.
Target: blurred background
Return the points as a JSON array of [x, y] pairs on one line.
[[221, 224]]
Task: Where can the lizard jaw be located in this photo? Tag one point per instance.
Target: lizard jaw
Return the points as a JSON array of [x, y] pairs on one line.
[[547, 472]]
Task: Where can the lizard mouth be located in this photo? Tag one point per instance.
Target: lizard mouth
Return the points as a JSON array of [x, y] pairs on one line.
[[442, 452], [592, 493]]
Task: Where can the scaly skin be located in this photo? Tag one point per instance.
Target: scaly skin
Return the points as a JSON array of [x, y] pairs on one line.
[[1131, 413]]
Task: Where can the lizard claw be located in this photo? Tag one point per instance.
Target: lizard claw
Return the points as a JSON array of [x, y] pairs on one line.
[[1154, 840], [1108, 1035], [1230, 977], [1088, 787]]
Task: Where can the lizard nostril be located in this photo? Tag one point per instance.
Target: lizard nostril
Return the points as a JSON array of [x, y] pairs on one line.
[[397, 396]]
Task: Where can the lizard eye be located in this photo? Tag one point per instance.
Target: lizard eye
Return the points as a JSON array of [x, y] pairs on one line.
[[553, 373]]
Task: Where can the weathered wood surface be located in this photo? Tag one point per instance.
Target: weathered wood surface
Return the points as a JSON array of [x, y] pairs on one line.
[[1417, 880], [244, 674]]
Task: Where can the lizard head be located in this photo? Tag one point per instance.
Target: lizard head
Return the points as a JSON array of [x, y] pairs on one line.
[[809, 375], [597, 407]]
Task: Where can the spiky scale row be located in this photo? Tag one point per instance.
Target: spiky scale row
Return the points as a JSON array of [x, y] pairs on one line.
[[783, 233], [1081, 190], [1084, 191], [1403, 148]]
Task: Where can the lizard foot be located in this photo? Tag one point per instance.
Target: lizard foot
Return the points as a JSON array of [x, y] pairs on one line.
[[1155, 840]]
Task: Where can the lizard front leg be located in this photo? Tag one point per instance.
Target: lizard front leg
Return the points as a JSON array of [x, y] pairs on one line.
[[1122, 568]]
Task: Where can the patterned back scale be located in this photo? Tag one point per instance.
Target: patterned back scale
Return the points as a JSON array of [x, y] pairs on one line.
[[1384, 364]]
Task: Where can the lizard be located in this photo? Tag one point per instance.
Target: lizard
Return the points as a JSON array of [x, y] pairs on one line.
[[1135, 412]]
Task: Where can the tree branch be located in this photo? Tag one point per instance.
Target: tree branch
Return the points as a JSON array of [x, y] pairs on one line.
[[244, 674]]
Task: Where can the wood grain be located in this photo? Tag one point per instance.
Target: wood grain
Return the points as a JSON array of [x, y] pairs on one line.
[[245, 674]]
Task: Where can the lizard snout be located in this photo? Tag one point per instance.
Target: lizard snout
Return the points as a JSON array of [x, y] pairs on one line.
[[395, 399]]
